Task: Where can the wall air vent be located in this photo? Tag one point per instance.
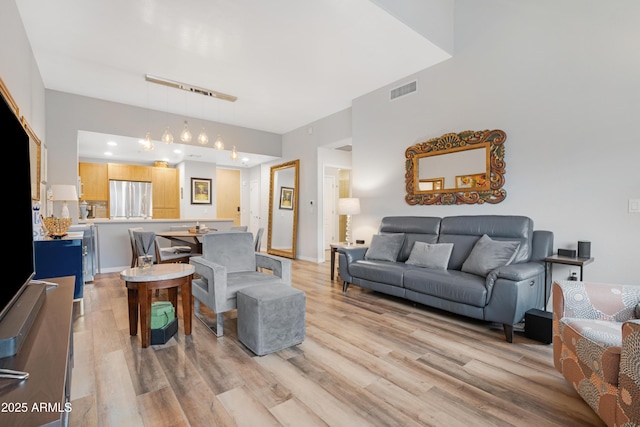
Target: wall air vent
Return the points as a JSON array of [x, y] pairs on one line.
[[404, 90]]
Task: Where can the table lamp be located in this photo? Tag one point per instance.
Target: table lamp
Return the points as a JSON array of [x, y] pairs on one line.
[[348, 206], [64, 193]]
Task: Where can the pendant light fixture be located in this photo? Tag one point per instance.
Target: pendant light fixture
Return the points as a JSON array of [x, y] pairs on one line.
[[185, 135], [203, 139], [234, 154], [218, 145], [167, 136], [147, 144]]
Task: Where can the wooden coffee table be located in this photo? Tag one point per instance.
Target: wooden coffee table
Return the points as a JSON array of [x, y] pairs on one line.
[[142, 281]]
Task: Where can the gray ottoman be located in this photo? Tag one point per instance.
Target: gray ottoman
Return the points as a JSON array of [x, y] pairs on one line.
[[271, 317]]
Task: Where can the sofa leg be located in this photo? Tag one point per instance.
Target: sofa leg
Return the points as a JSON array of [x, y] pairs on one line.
[[508, 332], [345, 285]]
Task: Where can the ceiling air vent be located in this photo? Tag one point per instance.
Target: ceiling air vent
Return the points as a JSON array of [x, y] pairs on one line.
[[404, 90], [345, 148]]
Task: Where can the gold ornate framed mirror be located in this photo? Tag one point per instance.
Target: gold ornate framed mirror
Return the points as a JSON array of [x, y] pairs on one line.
[[456, 168], [283, 209]]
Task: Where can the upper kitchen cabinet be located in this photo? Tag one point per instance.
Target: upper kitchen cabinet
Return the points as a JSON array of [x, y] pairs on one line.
[[123, 172], [166, 193], [94, 183]]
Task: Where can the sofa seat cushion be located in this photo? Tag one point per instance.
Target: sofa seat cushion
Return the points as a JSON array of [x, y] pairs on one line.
[[451, 285], [390, 273], [593, 348]]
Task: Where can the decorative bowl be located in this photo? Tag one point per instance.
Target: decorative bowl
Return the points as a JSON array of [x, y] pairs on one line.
[[56, 227]]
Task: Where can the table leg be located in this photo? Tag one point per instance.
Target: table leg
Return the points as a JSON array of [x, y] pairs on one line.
[[187, 305], [173, 297], [132, 300], [333, 262], [144, 296]]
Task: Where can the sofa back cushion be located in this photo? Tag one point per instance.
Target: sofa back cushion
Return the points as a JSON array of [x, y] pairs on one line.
[[415, 229], [465, 231]]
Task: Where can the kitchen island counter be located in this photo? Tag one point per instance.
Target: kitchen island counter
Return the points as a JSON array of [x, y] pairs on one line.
[[114, 247]]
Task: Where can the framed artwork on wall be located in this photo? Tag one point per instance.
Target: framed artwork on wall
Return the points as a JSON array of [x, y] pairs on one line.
[[200, 191], [286, 198]]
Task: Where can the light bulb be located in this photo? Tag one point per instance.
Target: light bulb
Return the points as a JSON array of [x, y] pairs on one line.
[[185, 135], [218, 145], [148, 143], [234, 153], [203, 138], [167, 137]]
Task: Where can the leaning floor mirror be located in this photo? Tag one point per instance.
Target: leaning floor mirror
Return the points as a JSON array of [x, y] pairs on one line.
[[283, 209]]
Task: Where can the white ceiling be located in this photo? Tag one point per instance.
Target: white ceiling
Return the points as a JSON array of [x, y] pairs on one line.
[[289, 62]]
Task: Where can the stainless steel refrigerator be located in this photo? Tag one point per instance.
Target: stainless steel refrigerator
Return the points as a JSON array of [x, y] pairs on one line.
[[130, 199]]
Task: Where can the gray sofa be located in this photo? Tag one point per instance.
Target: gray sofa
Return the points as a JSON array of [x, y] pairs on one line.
[[502, 295]]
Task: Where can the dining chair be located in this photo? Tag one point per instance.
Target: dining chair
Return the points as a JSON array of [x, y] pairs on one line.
[[146, 243], [134, 250], [258, 240]]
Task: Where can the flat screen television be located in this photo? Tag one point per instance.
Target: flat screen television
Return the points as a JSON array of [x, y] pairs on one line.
[[19, 300]]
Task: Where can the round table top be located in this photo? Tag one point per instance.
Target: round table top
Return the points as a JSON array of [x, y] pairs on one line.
[[157, 272]]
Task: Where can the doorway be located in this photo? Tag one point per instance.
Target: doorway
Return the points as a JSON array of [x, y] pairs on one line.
[[228, 194]]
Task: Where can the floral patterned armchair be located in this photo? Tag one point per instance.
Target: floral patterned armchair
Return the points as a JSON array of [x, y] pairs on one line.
[[596, 346]]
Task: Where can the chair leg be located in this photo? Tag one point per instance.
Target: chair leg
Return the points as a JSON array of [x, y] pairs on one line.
[[345, 285], [217, 327]]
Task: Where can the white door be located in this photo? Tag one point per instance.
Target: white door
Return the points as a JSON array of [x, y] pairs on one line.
[[254, 206], [329, 211]]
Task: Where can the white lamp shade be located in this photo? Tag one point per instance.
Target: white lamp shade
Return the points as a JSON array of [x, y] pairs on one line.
[[348, 206], [64, 192]]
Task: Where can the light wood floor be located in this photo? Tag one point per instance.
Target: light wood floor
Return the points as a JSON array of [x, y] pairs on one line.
[[368, 359]]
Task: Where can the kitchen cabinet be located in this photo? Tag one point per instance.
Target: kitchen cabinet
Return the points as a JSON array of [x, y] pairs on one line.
[[94, 181], [123, 172], [166, 193]]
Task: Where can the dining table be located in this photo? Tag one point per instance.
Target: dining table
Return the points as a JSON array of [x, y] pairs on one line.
[[186, 237]]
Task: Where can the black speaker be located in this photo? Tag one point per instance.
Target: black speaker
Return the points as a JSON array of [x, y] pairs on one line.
[[571, 253], [538, 325], [584, 249]]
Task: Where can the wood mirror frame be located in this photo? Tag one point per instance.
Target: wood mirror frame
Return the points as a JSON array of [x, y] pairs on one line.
[[435, 190], [284, 191]]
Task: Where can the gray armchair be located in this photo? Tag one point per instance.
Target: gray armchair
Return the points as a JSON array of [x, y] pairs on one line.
[[228, 263]]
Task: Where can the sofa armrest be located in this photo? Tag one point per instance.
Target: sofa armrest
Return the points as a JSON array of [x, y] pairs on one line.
[[352, 254], [574, 299], [346, 256], [518, 272], [281, 267], [629, 377]]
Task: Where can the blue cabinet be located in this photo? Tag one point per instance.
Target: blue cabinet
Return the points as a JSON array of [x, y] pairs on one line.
[[59, 258]]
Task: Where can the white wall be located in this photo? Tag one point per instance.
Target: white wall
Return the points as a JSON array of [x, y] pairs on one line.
[[303, 144], [19, 71], [561, 79]]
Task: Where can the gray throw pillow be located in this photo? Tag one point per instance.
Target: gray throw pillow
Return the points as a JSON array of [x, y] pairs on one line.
[[489, 254], [430, 255], [385, 247]]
